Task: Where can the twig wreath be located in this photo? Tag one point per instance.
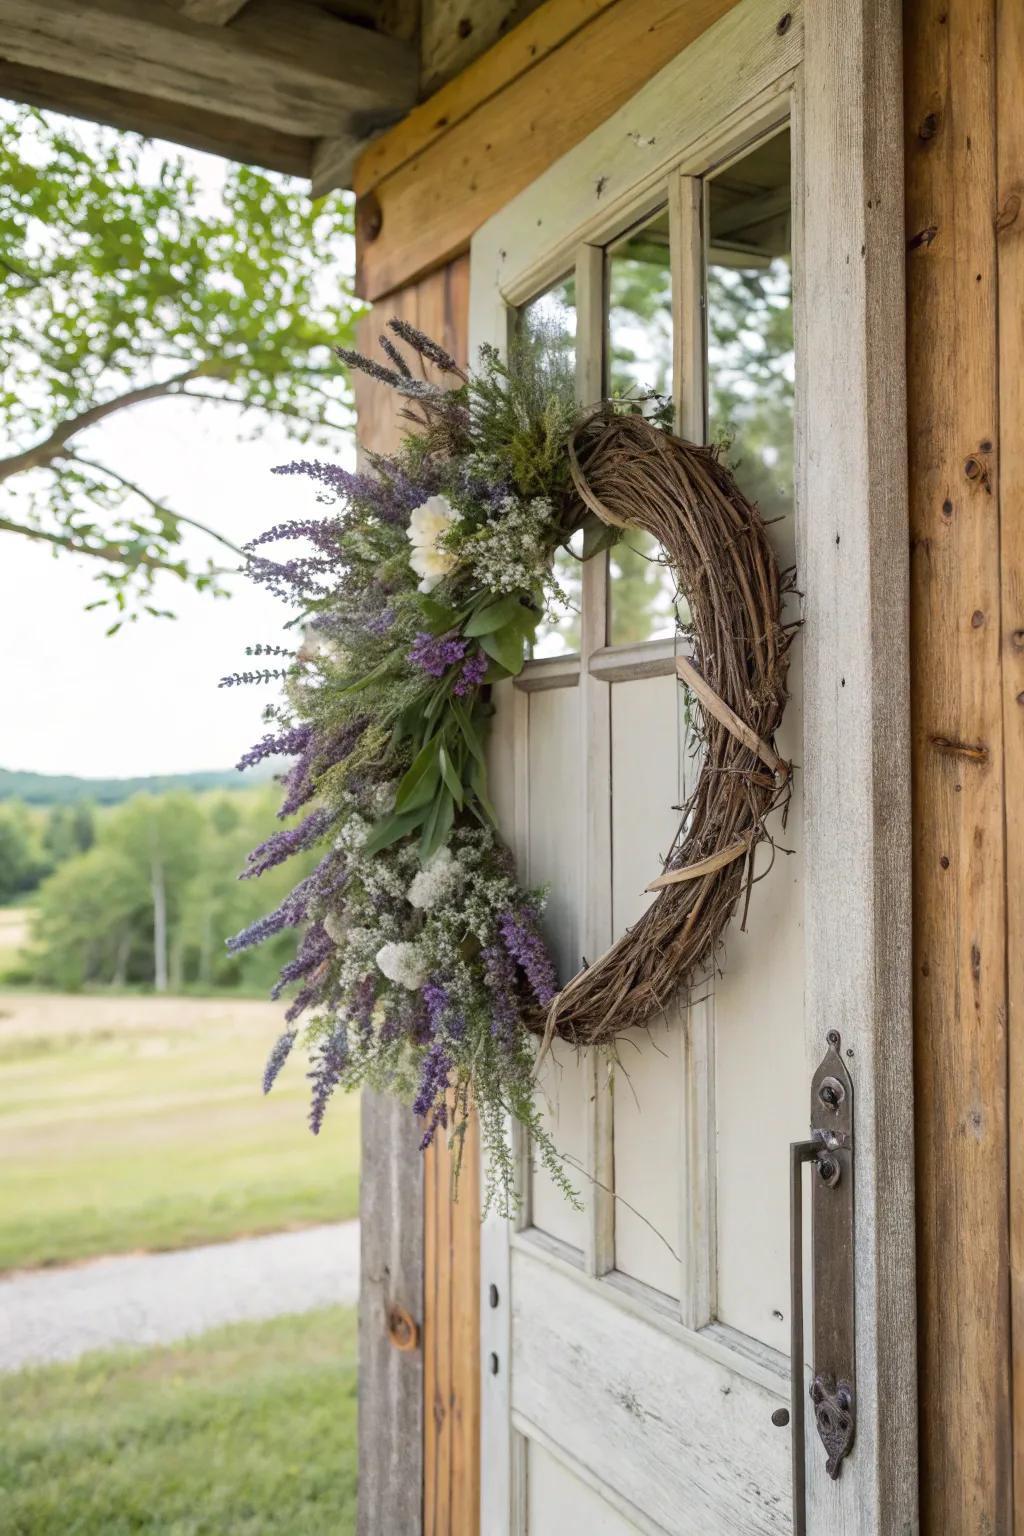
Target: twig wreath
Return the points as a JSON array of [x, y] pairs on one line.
[[422, 965]]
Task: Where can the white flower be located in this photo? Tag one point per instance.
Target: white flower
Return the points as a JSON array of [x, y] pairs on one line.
[[427, 523], [432, 884], [402, 963], [336, 928]]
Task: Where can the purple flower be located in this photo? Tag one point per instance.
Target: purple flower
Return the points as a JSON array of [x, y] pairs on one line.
[[430, 1096], [329, 1063], [441, 1013], [524, 942], [286, 842], [379, 623], [300, 780], [389, 495], [472, 674], [291, 911], [434, 654], [286, 744], [500, 978], [277, 1058], [316, 947], [321, 531]]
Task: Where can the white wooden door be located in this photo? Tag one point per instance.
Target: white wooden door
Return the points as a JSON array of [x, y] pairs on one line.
[[636, 1350]]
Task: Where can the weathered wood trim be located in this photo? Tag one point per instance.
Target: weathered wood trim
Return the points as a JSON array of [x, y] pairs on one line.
[[852, 523], [960, 870], [249, 142], [429, 207], [1010, 266], [290, 67], [391, 1276]]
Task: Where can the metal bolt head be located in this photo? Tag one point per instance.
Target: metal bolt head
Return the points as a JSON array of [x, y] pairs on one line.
[[780, 1418]]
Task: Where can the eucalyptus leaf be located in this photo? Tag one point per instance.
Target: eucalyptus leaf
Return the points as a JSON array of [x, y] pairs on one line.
[[507, 648], [507, 610], [438, 824], [450, 776], [391, 829], [424, 768]]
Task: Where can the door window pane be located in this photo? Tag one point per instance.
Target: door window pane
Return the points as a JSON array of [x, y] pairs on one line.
[[750, 324], [639, 373], [550, 320]]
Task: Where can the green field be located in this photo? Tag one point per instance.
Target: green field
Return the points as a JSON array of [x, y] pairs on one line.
[[248, 1431], [131, 1123]]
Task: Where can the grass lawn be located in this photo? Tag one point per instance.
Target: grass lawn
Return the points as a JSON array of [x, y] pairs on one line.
[[248, 1431], [132, 1123]]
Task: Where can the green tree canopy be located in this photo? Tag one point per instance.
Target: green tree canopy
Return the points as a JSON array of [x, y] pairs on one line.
[[123, 282]]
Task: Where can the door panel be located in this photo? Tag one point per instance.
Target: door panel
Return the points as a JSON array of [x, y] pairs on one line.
[[637, 1352], [675, 1432]]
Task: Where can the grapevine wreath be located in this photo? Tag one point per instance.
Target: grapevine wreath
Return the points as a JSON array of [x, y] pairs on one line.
[[422, 965]]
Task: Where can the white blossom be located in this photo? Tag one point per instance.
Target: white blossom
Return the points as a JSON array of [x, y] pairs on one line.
[[427, 523], [336, 928], [402, 963], [433, 883]]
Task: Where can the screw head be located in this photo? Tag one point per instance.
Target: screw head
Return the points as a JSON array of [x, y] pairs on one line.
[[780, 1418]]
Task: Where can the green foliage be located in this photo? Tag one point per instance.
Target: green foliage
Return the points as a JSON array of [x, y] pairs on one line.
[[67, 789], [95, 921], [247, 1431], [23, 861], [122, 282]]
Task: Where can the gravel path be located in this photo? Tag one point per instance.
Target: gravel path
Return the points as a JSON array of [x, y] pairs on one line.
[[156, 1298]]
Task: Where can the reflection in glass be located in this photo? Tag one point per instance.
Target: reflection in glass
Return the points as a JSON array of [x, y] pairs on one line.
[[550, 320], [639, 370], [750, 323]]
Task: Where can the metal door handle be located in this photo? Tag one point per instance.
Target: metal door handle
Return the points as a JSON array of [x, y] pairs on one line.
[[830, 1150]]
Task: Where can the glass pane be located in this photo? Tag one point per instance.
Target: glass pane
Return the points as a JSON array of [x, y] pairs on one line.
[[551, 319], [750, 324], [639, 370]]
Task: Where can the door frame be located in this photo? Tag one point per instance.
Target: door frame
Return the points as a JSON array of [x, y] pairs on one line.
[[835, 68]]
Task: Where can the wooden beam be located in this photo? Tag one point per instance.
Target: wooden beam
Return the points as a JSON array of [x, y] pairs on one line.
[[526, 46], [291, 67], [427, 210], [212, 13], [960, 870], [453, 34], [390, 1305], [1010, 263], [249, 143]]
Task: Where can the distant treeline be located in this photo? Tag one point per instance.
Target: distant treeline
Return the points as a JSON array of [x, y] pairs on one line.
[[144, 894], [66, 789]]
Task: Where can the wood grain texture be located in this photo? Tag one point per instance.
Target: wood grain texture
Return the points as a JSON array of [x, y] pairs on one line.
[[959, 860], [851, 476], [1010, 265], [522, 48], [514, 136], [454, 34], [214, 13], [391, 1275], [290, 67], [248, 142]]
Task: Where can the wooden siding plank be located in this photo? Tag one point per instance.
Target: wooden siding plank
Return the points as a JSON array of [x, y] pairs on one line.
[[1010, 263], [553, 24], [391, 1275], [428, 209], [959, 864]]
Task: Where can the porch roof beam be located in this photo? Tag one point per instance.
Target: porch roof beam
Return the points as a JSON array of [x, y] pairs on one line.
[[289, 67]]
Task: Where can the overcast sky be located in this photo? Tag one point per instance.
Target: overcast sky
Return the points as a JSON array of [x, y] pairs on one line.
[[146, 700]]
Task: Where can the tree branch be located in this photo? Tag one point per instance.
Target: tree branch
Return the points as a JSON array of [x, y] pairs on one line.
[[46, 451], [115, 554], [158, 507]]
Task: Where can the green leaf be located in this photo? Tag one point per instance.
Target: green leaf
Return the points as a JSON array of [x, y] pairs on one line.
[[508, 610], [438, 825], [469, 732], [391, 829], [507, 648], [598, 535], [478, 785], [450, 777], [438, 616], [424, 771]]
